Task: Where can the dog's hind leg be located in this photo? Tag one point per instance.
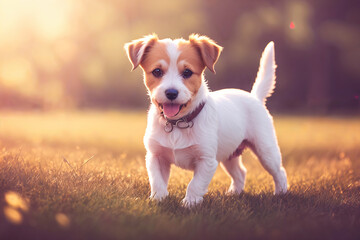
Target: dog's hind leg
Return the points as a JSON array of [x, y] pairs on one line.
[[268, 152], [236, 170]]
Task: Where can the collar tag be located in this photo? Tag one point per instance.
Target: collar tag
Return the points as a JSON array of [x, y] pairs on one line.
[[182, 124], [168, 127]]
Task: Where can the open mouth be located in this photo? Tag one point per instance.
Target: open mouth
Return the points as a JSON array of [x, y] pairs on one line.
[[171, 109]]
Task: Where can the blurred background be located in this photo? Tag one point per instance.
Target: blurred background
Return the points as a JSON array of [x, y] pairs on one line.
[[65, 54]]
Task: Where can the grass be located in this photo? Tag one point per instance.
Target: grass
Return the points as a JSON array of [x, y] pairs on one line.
[[81, 175]]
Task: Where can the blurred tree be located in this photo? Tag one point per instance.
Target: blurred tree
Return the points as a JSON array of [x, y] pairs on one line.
[[61, 54]]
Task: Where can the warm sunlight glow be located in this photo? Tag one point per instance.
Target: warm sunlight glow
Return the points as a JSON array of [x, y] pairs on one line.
[[48, 18], [17, 73]]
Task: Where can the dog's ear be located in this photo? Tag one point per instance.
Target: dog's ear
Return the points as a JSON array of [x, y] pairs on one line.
[[208, 50], [137, 48]]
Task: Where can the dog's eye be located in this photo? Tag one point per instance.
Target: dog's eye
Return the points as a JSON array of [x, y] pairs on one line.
[[187, 73], [157, 72]]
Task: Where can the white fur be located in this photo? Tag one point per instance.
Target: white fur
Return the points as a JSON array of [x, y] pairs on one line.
[[265, 80], [229, 117]]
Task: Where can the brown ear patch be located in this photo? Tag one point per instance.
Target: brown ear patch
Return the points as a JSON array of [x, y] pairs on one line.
[[189, 58], [208, 50], [137, 48], [156, 57]]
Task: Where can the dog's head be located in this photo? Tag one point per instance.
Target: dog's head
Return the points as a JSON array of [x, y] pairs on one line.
[[173, 69]]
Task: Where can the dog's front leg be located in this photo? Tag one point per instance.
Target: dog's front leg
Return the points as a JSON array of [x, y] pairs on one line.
[[158, 170], [203, 173]]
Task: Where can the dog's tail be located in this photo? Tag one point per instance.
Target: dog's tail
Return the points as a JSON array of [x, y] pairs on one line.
[[265, 80]]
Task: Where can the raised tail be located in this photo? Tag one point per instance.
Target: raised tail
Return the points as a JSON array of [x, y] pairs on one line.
[[265, 80]]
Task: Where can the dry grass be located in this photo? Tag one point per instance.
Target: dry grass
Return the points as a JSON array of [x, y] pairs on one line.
[[81, 175]]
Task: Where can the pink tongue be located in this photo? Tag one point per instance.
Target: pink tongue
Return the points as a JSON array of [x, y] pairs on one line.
[[171, 109]]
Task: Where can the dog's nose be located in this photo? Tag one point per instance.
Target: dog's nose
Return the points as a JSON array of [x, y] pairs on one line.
[[171, 93]]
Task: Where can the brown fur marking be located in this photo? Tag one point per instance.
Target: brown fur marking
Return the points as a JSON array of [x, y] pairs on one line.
[[208, 49], [240, 149], [190, 58], [151, 61]]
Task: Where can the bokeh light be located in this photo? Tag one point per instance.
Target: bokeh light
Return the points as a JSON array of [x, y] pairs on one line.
[[13, 215], [14, 200], [292, 25], [62, 220]]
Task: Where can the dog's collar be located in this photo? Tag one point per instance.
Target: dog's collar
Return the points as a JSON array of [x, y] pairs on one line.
[[184, 122]]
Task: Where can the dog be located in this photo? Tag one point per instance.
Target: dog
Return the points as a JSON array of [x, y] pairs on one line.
[[196, 129]]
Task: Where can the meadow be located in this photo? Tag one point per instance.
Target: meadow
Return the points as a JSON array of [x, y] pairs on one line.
[[81, 175]]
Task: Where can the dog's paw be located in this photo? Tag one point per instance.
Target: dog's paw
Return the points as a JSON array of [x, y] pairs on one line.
[[233, 190], [189, 202], [281, 185], [279, 190], [159, 195]]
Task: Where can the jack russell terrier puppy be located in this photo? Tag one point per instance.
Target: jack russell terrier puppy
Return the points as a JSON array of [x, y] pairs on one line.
[[196, 129]]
